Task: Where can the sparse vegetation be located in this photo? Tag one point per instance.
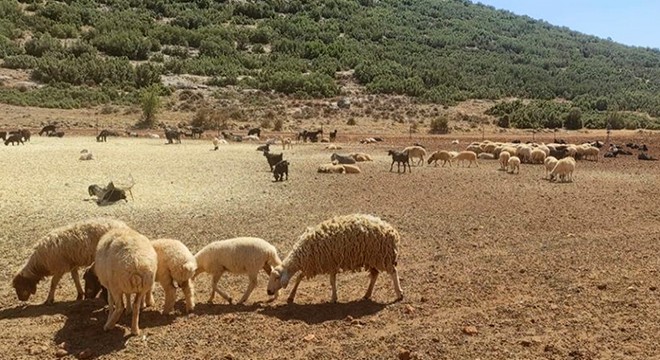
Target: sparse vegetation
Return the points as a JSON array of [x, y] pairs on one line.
[[439, 125]]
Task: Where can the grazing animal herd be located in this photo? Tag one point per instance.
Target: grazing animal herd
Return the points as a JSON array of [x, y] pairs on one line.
[[125, 265]]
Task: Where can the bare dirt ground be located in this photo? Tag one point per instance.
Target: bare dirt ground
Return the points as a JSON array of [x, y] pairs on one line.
[[493, 266]]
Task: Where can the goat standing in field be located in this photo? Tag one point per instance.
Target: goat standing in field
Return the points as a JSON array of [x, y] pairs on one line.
[[399, 158]]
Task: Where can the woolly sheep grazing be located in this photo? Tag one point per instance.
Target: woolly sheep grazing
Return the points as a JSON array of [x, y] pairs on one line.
[[360, 157], [564, 170], [416, 152], [538, 156], [442, 155], [469, 156], [514, 165], [343, 243], [549, 163], [525, 154], [62, 250], [126, 263], [591, 153], [504, 160], [175, 263], [243, 255]]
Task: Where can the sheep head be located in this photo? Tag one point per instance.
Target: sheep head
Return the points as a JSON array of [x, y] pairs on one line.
[[279, 278], [24, 287], [92, 285]]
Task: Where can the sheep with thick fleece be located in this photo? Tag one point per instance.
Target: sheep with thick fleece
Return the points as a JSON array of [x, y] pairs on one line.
[[343, 243], [416, 152], [442, 155], [331, 169], [514, 164], [62, 250], [469, 156], [126, 263], [504, 160], [549, 163], [351, 169], [175, 263], [564, 169], [538, 156], [591, 152], [524, 153], [243, 255]]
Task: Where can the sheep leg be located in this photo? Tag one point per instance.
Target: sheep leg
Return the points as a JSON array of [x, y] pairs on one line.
[[117, 309], [189, 292], [170, 294], [373, 275], [214, 282], [217, 289], [397, 286], [149, 298], [135, 329], [392, 166], [292, 294], [333, 286], [252, 284], [76, 280], [53, 285]]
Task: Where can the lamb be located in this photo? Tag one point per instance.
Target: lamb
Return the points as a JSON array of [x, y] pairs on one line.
[[126, 263], [343, 243], [243, 255], [360, 157], [175, 263], [399, 158], [286, 142], [444, 156], [564, 169], [549, 163], [416, 152], [342, 159], [469, 156], [281, 170], [538, 156], [273, 159], [514, 164], [331, 169], [62, 250], [504, 160]]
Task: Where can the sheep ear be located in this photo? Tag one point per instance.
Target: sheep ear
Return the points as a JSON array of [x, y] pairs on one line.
[[284, 279]]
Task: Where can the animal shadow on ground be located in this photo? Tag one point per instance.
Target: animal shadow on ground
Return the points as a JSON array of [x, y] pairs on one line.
[[83, 327], [322, 312]]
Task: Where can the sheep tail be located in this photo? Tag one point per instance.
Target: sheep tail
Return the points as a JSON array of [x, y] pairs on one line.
[[136, 281]]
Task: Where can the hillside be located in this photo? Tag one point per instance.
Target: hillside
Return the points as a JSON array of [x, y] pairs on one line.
[[90, 52]]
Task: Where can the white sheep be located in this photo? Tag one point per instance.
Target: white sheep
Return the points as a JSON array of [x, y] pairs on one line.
[[564, 169], [549, 163], [514, 164], [591, 152], [442, 155], [351, 169], [243, 255], [469, 156], [416, 152], [538, 156], [486, 156], [153, 136], [86, 155], [504, 160], [175, 263], [286, 142], [524, 153], [62, 250], [343, 243], [126, 263], [474, 147], [331, 169], [333, 147], [359, 157]]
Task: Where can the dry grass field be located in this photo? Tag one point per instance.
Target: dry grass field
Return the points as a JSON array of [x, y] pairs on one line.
[[493, 266]]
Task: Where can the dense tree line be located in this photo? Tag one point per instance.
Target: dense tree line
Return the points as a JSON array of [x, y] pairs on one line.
[[438, 51]]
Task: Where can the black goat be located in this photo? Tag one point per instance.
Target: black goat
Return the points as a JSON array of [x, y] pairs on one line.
[[93, 286], [265, 147], [399, 158], [333, 135], [48, 129], [273, 159], [312, 136], [342, 159], [644, 147], [255, 131], [107, 195], [15, 139], [281, 170], [3, 135], [172, 135], [196, 132], [24, 133], [103, 136], [58, 134]]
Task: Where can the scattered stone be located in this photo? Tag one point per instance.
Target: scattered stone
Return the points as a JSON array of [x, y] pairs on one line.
[[229, 356], [470, 330], [85, 354], [601, 286], [310, 337], [409, 309], [653, 288], [61, 353], [403, 354], [549, 348], [526, 343], [36, 350]]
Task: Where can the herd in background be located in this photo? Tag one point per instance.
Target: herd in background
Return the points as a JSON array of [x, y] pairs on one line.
[[121, 262]]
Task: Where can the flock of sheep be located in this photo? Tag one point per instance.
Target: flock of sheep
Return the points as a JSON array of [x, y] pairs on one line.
[[122, 262]]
